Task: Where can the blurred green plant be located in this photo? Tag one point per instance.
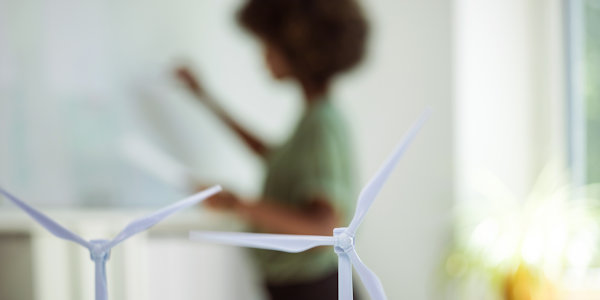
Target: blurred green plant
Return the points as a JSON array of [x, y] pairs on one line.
[[507, 247]]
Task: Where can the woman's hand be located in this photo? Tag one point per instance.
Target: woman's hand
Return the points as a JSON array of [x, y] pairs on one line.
[[317, 218], [225, 201]]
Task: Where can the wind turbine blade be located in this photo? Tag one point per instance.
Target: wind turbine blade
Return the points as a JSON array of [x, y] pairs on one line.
[[279, 242], [146, 222], [344, 277], [53, 227], [369, 279], [370, 191]]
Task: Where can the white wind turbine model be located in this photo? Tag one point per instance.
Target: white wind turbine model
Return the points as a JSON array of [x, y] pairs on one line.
[[100, 249], [342, 239]]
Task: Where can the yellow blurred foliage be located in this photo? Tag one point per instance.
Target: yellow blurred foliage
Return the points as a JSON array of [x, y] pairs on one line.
[[527, 284]]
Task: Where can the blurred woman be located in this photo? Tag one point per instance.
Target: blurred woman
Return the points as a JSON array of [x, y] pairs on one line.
[[309, 187]]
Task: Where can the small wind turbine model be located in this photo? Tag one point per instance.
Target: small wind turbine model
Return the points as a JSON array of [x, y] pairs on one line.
[[100, 249], [342, 239]]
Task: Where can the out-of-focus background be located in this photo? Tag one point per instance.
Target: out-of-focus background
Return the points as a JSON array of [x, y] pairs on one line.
[[94, 129]]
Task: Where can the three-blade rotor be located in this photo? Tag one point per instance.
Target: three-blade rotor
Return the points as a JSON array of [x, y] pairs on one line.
[[100, 249]]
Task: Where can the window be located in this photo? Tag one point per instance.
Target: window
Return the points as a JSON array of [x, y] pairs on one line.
[[584, 89], [591, 89]]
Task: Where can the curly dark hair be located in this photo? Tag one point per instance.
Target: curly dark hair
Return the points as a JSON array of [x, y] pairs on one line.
[[319, 38]]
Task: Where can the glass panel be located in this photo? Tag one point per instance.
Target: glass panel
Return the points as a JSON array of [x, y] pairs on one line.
[[592, 88]]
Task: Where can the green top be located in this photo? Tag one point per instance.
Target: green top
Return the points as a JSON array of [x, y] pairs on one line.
[[315, 161]]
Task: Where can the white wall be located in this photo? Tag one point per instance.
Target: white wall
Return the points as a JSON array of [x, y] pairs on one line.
[[509, 90]]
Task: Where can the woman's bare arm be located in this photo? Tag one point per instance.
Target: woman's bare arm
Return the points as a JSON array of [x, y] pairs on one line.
[[318, 218], [254, 143]]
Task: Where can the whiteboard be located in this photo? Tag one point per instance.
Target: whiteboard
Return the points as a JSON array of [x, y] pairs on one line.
[[78, 76]]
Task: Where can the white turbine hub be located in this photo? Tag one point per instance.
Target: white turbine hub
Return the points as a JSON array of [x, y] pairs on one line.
[[343, 241], [98, 250]]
